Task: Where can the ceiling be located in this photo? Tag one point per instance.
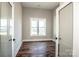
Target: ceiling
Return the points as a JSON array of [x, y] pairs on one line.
[[43, 5]]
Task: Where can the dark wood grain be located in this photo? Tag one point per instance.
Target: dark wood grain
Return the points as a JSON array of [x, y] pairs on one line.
[[37, 49]]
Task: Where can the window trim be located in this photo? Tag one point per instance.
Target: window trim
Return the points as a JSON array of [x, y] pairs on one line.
[[38, 27]]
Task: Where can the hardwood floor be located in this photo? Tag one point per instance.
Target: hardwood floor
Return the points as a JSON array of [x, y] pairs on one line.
[[37, 49]]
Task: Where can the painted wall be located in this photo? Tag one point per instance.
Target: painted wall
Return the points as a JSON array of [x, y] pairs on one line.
[[76, 29], [61, 3], [54, 22], [17, 26], [38, 13], [0, 24]]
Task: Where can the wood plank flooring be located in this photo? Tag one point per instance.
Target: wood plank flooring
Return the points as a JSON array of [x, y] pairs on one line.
[[37, 49]]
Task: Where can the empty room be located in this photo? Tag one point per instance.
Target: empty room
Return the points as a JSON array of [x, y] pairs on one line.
[[39, 29]]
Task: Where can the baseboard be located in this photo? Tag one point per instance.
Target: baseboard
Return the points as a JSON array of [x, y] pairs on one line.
[[17, 50], [38, 40], [54, 40]]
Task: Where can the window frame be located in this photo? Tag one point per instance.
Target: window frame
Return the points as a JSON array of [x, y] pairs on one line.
[[38, 27]]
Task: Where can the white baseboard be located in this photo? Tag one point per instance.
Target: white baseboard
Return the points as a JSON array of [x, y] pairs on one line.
[[17, 49], [54, 40], [38, 40]]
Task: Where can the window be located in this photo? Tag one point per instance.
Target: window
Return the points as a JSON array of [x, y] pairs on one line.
[[38, 27]]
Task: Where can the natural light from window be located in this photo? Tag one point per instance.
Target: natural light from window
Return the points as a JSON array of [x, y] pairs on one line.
[[38, 26]]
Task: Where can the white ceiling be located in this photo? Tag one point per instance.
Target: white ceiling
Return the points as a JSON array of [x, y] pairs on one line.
[[43, 5]]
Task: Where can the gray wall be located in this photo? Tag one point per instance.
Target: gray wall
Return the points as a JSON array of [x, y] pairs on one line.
[[40, 13]]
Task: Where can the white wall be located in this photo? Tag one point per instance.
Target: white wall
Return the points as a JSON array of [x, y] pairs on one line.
[[17, 26], [40, 13], [54, 22], [61, 3], [76, 29], [0, 24]]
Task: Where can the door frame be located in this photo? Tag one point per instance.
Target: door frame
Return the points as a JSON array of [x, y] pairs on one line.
[[57, 25], [12, 5]]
